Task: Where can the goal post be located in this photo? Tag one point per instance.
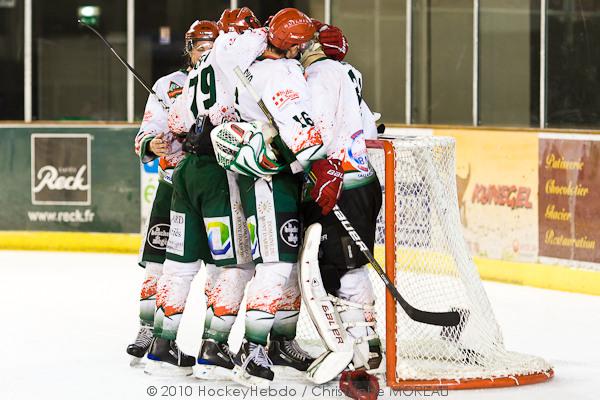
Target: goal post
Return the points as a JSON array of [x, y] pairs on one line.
[[419, 239]]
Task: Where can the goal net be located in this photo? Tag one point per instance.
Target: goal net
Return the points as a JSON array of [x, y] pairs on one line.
[[420, 242]]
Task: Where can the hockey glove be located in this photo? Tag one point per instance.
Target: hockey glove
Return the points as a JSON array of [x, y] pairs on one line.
[[359, 385], [328, 177], [333, 42]]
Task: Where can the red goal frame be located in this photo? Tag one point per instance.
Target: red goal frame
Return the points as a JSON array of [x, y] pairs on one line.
[[390, 305]]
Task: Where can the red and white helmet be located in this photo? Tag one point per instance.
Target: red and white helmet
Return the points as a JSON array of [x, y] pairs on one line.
[[289, 27], [238, 20], [200, 31]]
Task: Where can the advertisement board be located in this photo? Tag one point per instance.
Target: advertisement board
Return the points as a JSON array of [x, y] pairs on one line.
[[569, 196], [69, 178], [497, 180], [61, 169]]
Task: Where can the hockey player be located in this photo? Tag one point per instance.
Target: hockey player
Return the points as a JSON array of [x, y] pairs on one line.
[[155, 140], [207, 222], [271, 202], [345, 121]]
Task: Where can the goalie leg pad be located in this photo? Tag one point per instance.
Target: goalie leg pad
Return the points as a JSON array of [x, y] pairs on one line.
[[356, 308], [322, 311]]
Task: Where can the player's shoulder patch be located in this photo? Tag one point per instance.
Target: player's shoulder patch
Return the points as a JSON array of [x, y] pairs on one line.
[[174, 90], [171, 84]]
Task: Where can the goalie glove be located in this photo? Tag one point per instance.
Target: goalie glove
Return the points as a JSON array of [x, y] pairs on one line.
[[359, 385], [243, 147], [328, 176]]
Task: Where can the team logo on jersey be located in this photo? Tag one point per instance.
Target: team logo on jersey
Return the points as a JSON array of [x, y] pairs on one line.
[[290, 231], [61, 169], [174, 90], [218, 230], [252, 229], [158, 236], [357, 152], [283, 96]]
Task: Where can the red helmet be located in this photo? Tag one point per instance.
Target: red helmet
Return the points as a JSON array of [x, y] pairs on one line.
[[289, 27], [238, 20], [202, 30]]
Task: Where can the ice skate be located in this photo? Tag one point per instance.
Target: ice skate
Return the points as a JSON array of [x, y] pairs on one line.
[[215, 361], [289, 354], [165, 359], [139, 348], [252, 365]]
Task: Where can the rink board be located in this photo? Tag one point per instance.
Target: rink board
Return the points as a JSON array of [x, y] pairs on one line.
[[557, 277]]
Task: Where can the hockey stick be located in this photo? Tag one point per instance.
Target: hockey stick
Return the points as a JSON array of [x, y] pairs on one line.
[[129, 67], [450, 318]]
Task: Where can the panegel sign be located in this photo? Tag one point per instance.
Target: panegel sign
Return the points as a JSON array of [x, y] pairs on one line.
[[61, 169], [497, 180]]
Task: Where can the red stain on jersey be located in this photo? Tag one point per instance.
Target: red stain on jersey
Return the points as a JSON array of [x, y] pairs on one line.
[[307, 139], [147, 116]]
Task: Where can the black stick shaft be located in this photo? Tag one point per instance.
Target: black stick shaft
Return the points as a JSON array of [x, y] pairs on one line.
[[126, 64], [450, 318]]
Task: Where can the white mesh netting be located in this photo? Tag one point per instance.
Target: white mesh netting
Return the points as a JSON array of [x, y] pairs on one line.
[[434, 272]]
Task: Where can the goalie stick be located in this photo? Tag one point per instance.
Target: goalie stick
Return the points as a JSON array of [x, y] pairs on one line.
[[449, 318], [129, 67]]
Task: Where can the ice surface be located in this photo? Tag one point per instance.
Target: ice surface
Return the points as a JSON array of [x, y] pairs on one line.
[[67, 318]]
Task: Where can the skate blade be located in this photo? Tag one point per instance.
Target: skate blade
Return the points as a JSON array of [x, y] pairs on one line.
[[137, 362], [159, 368], [212, 372], [243, 378], [288, 372]]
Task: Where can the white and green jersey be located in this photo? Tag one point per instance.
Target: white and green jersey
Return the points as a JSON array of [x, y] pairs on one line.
[[168, 88], [209, 89], [343, 117], [281, 85]]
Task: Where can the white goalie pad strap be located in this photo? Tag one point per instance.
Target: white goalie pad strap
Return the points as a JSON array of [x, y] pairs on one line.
[[243, 148], [323, 313], [352, 315]]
